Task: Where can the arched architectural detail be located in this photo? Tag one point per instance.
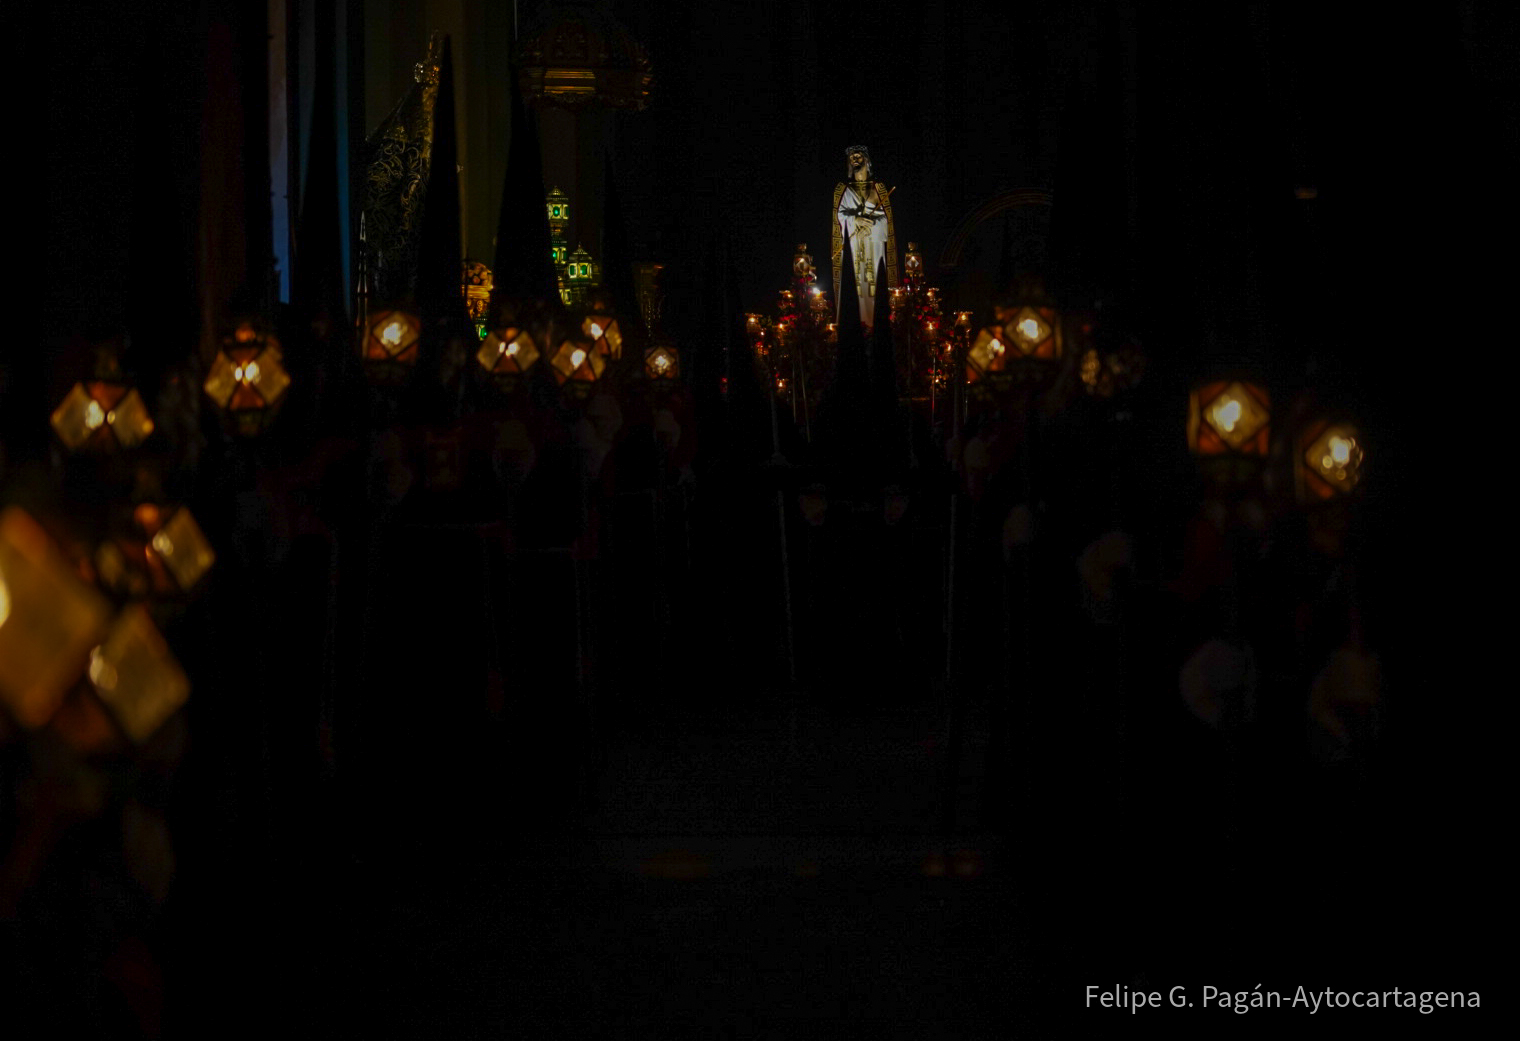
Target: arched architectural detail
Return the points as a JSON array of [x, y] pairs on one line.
[[999, 203]]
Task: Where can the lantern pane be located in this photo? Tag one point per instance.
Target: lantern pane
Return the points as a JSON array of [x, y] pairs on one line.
[[49, 619], [1236, 415], [393, 332], [989, 351], [77, 417], [1336, 456], [270, 379], [183, 549], [220, 381], [136, 676], [129, 420], [1028, 330]]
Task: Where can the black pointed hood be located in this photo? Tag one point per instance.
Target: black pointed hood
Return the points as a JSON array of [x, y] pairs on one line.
[[617, 258], [523, 267], [440, 251]]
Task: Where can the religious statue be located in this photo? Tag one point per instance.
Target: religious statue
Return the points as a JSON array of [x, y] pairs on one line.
[[863, 211]]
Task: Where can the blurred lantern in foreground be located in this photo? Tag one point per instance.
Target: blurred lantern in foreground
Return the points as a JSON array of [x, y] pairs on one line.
[[602, 327], [1106, 373], [1329, 459], [662, 363], [163, 553], [247, 379], [477, 295], [577, 365], [1229, 419], [49, 620], [507, 353], [390, 344], [134, 673], [1023, 344], [105, 413]]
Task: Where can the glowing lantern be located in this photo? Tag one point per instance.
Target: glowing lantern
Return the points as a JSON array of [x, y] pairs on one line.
[[913, 263], [1231, 418], [49, 620], [577, 365], [101, 415], [166, 553], [134, 673], [662, 363], [603, 330], [507, 353], [247, 379], [392, 337], [1330, 459]]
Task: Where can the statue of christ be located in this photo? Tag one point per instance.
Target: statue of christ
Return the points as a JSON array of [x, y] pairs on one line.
[[863, 211]]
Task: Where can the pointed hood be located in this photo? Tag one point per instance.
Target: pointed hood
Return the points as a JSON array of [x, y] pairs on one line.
[[317, 290], [523, 267], [617, 257], [440, 251]]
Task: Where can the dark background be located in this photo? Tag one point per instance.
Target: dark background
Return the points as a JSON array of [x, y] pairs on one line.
[[1173, 140]]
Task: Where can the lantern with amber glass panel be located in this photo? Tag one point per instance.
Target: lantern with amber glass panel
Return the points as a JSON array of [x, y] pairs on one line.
[[247, 380], [1023, 345], [662, 364], [601, 325], [49, 620], [157, 551], [1329, 459], [391, 342], [577, 365], [1230, 428], [507, 353], [103, 413]]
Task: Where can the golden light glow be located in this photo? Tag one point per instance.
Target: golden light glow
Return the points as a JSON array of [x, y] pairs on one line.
[[1029, 329], [1336, 456], [102, 673], [510, 349], [596, 331], [49, 620], [661, 362], [1225, 413], [1230, 417], [995, 348], [391, 335], [136, 675], [163, 544], [577, 357], [94, 415]]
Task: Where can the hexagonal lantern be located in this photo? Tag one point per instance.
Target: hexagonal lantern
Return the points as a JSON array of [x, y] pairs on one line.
[[1329, 459], [163, 553], [247, 379], [507, 353], [1229, 418], [49, 620], [661, 362], [1024, 343], [601, 325], [136, 675], [913, 264], [102, 415], [577, 365], [392, 336]]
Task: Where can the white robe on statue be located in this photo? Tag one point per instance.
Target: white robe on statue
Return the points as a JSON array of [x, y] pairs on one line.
[[867, 231]]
